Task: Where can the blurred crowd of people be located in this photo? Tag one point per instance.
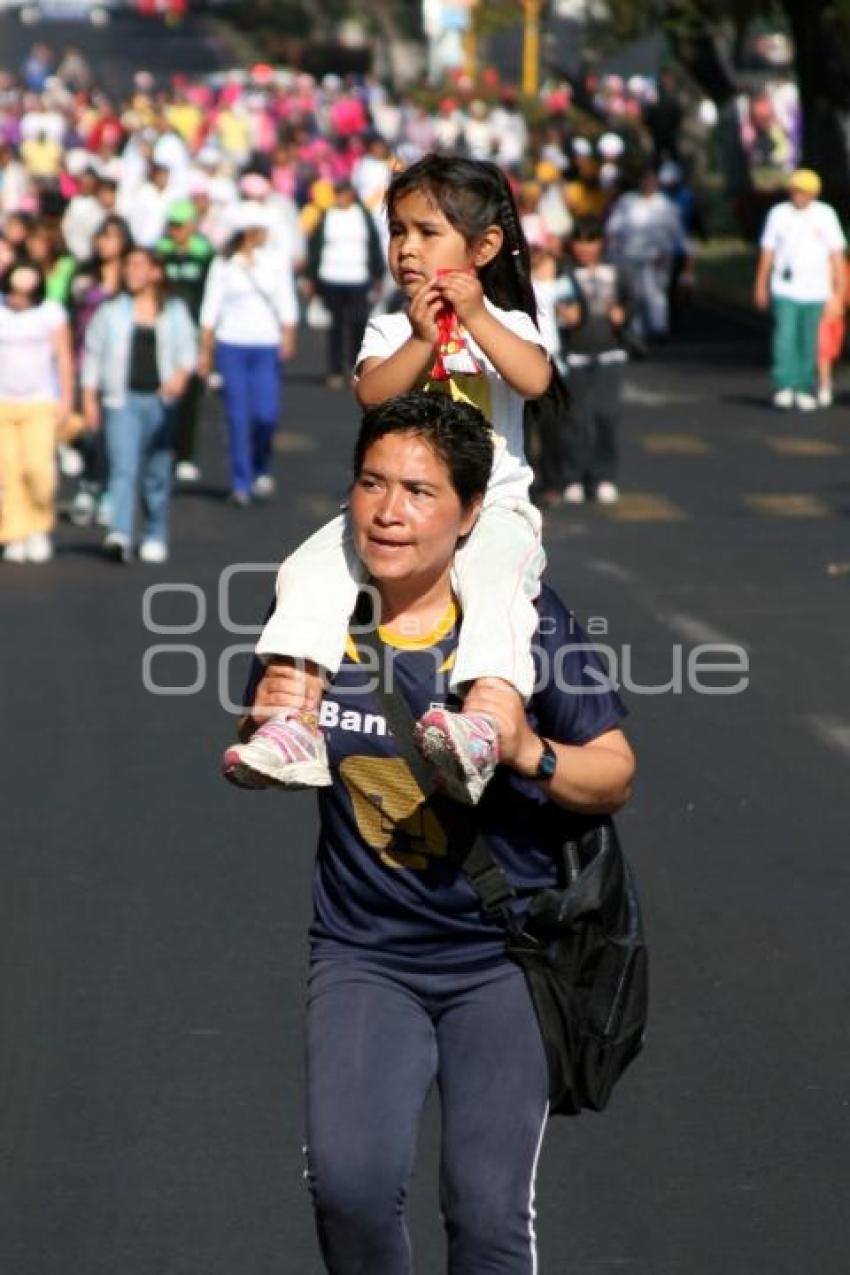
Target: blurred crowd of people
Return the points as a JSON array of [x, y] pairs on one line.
[[151, 245]]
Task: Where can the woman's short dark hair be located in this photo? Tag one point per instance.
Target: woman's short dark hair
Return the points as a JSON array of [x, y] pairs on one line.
[[458, 433]]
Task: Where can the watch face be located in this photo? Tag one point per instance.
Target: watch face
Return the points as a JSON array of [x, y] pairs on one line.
[[548, 762]]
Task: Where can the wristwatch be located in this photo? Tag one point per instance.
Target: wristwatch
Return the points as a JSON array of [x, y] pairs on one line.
[[548, 762]]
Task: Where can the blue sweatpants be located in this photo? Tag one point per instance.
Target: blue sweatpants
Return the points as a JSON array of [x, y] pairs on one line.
[[251, 378], [377, 1041]]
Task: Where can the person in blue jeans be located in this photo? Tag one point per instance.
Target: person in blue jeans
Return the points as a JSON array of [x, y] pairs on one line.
[[248, 319], [140, 351]]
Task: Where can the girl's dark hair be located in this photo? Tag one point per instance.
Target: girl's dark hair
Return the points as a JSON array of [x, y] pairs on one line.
[[473, 194], [91, 268], [114, 222], [458, 433], [52, 231], [23, 263]]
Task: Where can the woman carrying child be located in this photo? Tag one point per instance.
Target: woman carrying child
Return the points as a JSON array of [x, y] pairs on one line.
[[458, 253]]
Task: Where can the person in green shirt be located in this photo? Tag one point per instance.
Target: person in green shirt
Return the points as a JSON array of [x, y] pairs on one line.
[[186, 256], [46, 247]]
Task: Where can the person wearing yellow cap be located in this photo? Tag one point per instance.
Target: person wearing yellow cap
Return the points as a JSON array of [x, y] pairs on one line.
[[800, 274]]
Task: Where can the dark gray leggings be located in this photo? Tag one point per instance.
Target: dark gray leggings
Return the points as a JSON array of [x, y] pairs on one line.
[[377, 1041]]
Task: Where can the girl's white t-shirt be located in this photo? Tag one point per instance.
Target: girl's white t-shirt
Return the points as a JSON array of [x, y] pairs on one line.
[[27, 358], [501, 405]]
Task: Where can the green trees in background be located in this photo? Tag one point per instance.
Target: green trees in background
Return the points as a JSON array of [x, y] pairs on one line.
[[820, 30]]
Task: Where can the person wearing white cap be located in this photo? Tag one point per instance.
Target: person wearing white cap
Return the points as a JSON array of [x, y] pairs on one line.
[[248, 320], [611, 146], [285, 233]]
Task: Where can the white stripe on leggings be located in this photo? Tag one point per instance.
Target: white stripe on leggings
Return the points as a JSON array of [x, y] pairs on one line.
[[532, 1214]]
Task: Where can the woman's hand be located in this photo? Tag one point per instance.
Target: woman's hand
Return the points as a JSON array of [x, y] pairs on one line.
[[283, 685], [422, 312], [172, 389], [205, 364], [91, 411], [569, 315], [761, 296], [287, 344], [834, 308], [462, 290], [62, 411], [519, 747], [617, 316]]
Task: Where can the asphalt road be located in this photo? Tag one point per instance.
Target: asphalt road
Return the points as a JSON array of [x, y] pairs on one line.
[[130, 43], [152, 919]]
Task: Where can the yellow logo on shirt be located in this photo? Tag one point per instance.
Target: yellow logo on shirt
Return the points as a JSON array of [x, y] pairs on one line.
[[389, 805]]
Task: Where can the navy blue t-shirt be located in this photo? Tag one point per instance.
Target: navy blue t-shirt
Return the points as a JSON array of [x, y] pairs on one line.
[[387, 883]]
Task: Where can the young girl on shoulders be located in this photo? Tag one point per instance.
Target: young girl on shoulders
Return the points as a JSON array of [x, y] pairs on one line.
[[458, 253]]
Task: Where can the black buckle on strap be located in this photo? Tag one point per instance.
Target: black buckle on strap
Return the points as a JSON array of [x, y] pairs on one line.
[[493, 888]]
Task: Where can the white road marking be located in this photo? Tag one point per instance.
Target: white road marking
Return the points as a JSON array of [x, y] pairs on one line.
[[695, 630], [614, 570], [639, 396], [831, 730]]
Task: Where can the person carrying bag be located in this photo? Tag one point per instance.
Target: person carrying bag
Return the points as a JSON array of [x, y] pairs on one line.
[[581, 945]]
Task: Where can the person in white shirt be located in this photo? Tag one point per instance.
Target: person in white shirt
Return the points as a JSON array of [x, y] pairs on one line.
[[458, 253], [644, 234], [372, 173], [478, 133], [14, 182], [36, 396], [801, 271], [248, 320], [344, 263], [83, 216], [146, 210], [510, 132]]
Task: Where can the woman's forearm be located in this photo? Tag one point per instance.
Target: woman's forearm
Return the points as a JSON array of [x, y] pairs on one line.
[[65, 367], [595, 777], [206, 341]]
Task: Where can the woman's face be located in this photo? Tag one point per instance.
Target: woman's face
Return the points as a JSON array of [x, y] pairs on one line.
[[423, 241], [22, 287], [38, 246], [139, 272], [15, 231], [109, 243], [406, 515]]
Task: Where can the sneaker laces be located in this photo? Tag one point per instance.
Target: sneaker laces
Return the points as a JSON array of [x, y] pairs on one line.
[[294, 733]]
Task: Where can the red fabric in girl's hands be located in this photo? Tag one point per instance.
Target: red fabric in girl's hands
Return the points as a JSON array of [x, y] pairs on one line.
[[453, 352]]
